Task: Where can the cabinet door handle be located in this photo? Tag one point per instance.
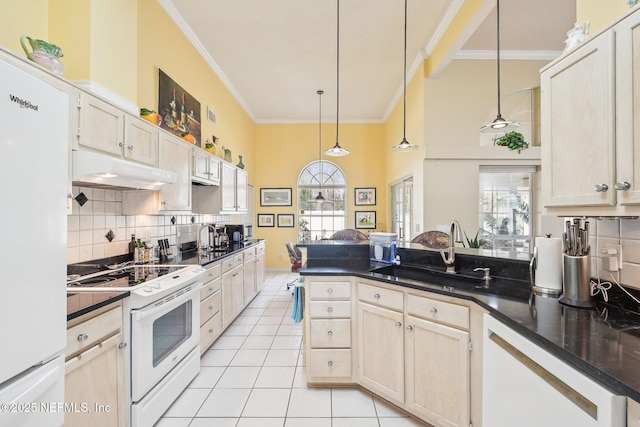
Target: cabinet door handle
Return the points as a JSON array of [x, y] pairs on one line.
[[130, 147], [622, 186], [121, 144], [409, 328], [434, 310], [83, 337], [601, 188], [330, 309], [330, 333], [398, 325], [122, 345], [377, 296]]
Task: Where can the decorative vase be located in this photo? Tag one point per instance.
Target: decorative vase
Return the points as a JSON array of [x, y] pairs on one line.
[[44, 54], [211, 149], [227, 155], [240, 164]]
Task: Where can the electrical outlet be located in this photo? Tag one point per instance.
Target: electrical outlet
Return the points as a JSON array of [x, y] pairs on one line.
[[280, 256], [617, 255]]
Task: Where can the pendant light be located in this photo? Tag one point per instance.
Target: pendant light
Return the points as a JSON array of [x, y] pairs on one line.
[[499, 124], [319, 197], [337, 150], [404, 145]]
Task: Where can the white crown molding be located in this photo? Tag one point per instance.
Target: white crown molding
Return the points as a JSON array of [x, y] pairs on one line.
[[515, 55], [303, 122], [105, 93], [173, 13]]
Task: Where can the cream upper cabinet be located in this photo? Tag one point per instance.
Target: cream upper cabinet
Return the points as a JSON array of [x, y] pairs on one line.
[[233, 189], [627, 182], [242, 180], [106, 128], [578, 126], [175, 156], [205, 167], [591, 125]]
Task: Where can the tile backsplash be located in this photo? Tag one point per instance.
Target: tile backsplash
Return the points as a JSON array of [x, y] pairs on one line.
[[90, 223], [625, 232]]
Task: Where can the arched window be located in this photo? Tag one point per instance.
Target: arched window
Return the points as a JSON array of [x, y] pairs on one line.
[[320, 220]]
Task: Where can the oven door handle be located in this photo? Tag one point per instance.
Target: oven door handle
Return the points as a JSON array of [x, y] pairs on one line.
[[146, 312]]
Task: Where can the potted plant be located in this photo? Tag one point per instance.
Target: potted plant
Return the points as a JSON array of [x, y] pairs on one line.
[[512, 140], [475, 242]]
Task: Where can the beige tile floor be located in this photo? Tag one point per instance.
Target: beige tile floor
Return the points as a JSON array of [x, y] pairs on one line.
[[253, 376]]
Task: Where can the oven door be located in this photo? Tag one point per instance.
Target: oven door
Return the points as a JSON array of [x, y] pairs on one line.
[[162, 334]]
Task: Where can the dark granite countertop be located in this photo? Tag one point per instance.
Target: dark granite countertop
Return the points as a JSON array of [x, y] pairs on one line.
[[603, 342]]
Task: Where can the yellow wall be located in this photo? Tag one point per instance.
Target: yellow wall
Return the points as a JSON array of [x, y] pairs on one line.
[[599, 13], [19, 17], [285, 149]]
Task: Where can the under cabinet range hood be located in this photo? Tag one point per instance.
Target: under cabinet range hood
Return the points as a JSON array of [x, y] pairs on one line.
[[91, 169]]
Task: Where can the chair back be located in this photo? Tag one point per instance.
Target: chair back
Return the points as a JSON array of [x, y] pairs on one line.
[[432, 239], [349, 234]]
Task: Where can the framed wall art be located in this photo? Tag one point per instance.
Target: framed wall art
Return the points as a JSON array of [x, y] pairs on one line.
[[266, 220], [179, 110], [275, 197], [285, 220], [366, 219], [365, 196]]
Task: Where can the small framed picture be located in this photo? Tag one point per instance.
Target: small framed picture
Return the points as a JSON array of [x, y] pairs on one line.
[[365, 196], [365, 219], [285, 220], [266, 220], [275, 197]]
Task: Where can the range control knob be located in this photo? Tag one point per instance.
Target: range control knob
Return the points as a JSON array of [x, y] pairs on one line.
[[147, 289], [156, 286]]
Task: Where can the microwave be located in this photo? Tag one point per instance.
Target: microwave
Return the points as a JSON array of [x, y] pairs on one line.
[[245, 230]]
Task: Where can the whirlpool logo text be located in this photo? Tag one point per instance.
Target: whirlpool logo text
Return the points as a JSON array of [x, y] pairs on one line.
[[23, 103]]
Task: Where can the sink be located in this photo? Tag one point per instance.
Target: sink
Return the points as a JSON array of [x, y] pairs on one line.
[[461, 281]]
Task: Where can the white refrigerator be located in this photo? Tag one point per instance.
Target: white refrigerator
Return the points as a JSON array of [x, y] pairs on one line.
[[33, 244]]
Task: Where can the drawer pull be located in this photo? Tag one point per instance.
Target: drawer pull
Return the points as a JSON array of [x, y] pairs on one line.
[[330, 363], [377, 296], [398, 325], [330, 290], [210, 330], [330, 309], [83, 337], [409, 328], [211, 288], [434, 310], [122, 345], [330, 333], [210, 307]]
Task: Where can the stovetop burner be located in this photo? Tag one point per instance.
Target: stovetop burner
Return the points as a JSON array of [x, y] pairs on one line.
[[135, 275]]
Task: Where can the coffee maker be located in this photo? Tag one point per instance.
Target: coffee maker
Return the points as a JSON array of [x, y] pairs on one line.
[[235, 233]]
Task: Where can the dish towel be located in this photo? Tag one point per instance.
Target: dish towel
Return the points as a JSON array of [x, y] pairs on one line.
[[298, 303]]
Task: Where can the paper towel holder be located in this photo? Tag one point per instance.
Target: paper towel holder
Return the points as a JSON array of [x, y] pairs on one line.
[[537, 289]]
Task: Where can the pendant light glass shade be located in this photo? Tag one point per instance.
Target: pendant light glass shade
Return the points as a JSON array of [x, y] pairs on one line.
[[499, 125], [404, 145], [337, 150]]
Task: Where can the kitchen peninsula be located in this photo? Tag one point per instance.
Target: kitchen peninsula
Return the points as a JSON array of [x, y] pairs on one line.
[[601, 344]]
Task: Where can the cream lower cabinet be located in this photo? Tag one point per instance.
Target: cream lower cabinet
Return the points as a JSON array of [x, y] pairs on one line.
[[633, 413], [260, 266], [249, 289], [232, 287], [95, 369], [328, 330], [211, 307], [414, 351]]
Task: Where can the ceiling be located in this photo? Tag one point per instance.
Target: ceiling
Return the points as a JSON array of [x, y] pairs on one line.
[[274, 55]]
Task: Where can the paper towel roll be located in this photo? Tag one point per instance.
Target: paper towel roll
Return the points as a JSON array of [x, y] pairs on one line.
[[549, 263]]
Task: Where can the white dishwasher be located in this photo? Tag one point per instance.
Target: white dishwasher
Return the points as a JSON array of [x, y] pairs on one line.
[[525, 386]]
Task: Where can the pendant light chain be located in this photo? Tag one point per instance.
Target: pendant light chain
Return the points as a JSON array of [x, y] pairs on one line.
[[337, 67], [404, 122], [498, 52]]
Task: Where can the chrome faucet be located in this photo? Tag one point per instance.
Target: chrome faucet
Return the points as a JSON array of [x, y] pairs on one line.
[[202, 227], [455, 235]]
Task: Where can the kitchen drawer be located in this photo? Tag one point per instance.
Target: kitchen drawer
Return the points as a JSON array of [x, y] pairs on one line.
[[210, 287], [260, 249], [329, 363], [209, 307], [380, 296], [227, 264], [212, 273], [91, 331], [438, 311], [330, 333], [329, 290], [210, 331], [330, 309], [249, 253], [238, 260]]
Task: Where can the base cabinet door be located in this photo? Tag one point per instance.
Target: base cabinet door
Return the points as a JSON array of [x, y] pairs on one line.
[[437, 372], [249, 280], [381, 356]]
